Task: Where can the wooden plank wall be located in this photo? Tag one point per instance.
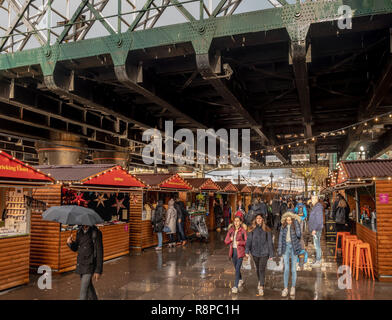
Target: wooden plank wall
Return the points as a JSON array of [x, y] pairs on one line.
[[135, 221], [369, 236], [14, 261], [45, 235], [384, 230]]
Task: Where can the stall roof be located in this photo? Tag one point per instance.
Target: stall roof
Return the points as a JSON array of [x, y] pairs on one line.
[[364, 169], [226, 186], [256, 189], [93, 174], [243, 188], [203, 184], [164, 181], [14, 171]]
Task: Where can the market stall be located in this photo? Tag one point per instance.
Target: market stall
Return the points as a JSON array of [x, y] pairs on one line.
[[229, 193], [16, 209], [256, 192], [204, 191], [108, 189], [158, 187], [367, 186], [245, 194]]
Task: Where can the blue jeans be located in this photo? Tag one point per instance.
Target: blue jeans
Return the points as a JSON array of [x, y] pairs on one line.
[[317, 245], [237, 265], [290, 253], [159, 239], [180, 231]]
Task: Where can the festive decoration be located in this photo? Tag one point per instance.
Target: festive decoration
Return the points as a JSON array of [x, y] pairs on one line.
[[79, 200], [100, 200], [119, 205]]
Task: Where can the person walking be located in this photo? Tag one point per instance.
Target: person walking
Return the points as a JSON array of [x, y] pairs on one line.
[[89, 262], [226, 215], [289, 246], [316, 227], [158, 222], [276, 213], [236, 238], [179, 206], [240, 206], [218, 213], [170, 223], [259, 245]]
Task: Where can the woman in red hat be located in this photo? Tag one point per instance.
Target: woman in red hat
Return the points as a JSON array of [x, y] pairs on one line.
[[236, 238]]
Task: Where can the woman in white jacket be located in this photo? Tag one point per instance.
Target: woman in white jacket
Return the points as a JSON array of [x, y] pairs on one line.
[[170, 223]]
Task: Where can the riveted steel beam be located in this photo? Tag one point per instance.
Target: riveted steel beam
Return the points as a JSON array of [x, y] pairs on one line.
[[286, 16]]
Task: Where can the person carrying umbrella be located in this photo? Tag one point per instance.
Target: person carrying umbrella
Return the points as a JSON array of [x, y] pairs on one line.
[[88, 244]]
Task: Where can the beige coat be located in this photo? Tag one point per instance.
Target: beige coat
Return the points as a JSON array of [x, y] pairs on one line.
[[171, 217]]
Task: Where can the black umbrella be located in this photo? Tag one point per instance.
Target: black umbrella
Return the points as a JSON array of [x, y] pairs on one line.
[[72, 215]]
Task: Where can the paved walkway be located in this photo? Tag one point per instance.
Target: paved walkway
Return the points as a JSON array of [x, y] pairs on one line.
[[197, 271]]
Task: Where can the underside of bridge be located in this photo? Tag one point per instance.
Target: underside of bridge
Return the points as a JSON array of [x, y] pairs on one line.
[[289, 73]]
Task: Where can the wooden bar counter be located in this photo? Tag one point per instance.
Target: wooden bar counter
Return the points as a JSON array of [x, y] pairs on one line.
[[14, 261]]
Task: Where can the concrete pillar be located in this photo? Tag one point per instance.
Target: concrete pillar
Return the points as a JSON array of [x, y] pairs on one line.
[[65, 149]]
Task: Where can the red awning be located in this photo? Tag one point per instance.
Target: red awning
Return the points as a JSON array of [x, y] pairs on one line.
[[203, 184], [243, 188], [15, 171], [164, 181], [115, 176], [227, 186]]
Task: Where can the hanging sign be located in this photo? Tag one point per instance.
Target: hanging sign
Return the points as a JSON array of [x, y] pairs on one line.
[[384, 198]]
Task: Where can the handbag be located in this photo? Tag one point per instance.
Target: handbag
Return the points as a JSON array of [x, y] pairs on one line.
[[275, 264], [246, 264], [166, 229]]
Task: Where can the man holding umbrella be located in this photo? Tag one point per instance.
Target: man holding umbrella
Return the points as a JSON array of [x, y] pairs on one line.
[[88, 243], [89, 265]]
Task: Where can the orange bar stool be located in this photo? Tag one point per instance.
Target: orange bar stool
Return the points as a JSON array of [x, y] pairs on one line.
[[351, 253], [345, 247], [340, 235], [363, 260]]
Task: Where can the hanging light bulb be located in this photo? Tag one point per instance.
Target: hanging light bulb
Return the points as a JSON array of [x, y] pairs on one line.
[[376, 119], [305, 142]]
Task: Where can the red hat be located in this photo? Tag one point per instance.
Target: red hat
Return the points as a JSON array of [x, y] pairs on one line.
[[239, 214]]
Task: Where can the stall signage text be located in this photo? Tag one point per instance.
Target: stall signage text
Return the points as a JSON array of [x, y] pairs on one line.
[[384, 198]]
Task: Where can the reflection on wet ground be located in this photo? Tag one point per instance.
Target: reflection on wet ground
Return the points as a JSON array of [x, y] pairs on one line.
[[199, 271]]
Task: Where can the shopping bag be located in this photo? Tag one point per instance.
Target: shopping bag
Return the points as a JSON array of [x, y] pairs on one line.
[[246, 264], [275, 264]]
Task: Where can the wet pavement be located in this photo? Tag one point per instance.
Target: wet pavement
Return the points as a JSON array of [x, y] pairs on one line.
[[198, 271]]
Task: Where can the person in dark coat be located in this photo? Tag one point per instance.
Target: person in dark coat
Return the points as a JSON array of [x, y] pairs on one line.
[[276, 213], [240, 206], [316, 227], [259, 245], [226, 214], [88, 245], [342, 213], [180, 208], [158, 222], [289, 246], [236, 238], [218, 213]]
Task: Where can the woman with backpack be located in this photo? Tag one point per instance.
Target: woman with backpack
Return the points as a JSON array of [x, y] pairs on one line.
[[259, 245], [158, 222], [236, 238], [289, 246]]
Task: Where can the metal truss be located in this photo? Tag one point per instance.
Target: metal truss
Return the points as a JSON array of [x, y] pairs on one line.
[[33, 23]]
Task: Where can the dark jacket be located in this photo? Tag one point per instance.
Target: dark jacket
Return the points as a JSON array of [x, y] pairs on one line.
[[259, 243], [316, 218], [178, 207], [241, 241], [283, 208], [275, 207], [295, 238], [84, 246], [158, 220]]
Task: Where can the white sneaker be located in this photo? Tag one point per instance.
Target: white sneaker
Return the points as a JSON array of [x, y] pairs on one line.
[[234, 290], [292, 291], [285, 292], [240, 283], [261, 291]]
